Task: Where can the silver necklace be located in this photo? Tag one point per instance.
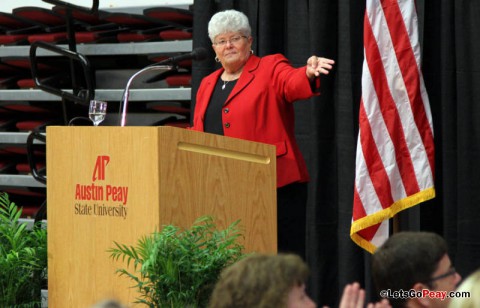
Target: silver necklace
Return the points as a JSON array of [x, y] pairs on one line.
[[225, 83]]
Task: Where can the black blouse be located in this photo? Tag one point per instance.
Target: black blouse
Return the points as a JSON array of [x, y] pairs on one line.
[[213, 116]]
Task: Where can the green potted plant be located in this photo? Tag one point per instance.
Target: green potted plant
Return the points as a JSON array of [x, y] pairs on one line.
[[23, 258], [179, 268]]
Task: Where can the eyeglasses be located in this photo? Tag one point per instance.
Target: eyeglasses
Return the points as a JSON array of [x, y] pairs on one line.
[[233, 40], [450, 272]]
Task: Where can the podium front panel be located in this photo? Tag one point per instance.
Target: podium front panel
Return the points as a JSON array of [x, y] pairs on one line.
[[107, 184]]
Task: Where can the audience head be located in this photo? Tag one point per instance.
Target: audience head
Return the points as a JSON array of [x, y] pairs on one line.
[[414, 260], [109, 303], [263, 281], [472, 285]]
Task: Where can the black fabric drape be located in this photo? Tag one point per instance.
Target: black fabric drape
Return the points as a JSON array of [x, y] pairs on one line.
[[452, 77], [327, 126]]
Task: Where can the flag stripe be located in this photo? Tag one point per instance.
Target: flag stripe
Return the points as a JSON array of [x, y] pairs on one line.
[[368, 202], [408, 66], [358, 211], [389, 112], [373, 161], [382, 137], [368, 233], [395, 150], [397, 86]]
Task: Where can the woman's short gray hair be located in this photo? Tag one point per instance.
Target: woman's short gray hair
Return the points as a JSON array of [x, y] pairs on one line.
[[228, 21]]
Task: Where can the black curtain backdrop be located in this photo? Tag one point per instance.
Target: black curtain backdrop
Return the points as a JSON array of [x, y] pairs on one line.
[[327, 126]]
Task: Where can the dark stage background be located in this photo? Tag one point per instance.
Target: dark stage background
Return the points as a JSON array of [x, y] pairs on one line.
[[327, 126]]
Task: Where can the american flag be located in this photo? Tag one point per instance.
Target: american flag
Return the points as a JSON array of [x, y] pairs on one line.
[[395, 151]]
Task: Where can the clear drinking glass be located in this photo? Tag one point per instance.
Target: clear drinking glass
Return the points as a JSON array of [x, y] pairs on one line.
[[97, 111]]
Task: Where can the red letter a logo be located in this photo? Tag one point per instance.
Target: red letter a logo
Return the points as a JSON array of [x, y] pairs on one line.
[[99, 171]]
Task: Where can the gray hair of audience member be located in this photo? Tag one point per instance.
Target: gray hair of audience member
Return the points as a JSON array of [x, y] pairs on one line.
[[405, 259], [228, 21], [259, 281], [472, 285]]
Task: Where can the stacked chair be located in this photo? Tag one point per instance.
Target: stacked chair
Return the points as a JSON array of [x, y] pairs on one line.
[[74, 82]]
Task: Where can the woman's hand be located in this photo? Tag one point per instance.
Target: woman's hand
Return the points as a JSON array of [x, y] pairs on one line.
[[317, 65]]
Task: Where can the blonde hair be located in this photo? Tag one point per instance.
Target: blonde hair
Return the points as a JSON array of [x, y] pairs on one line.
[[470, 284]]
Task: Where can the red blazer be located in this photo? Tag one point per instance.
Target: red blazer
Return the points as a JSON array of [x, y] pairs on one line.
[[259, 109]]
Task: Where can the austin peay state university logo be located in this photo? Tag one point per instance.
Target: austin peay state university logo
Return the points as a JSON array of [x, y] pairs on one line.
[[101, 199], [99, 170]]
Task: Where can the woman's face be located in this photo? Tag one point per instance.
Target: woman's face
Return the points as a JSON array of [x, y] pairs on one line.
[[298, 298], [232, 49]]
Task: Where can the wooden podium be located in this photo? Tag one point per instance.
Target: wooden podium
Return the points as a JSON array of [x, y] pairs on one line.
[[110, 184]]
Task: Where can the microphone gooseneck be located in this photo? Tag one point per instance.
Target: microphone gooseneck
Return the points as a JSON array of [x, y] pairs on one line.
[[197, 54]]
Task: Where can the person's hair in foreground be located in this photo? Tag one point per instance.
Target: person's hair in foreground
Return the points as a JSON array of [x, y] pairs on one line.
[[109, 303], [259, 281], [405, 259]]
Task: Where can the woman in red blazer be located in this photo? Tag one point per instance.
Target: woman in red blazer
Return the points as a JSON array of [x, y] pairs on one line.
[[251, 98]]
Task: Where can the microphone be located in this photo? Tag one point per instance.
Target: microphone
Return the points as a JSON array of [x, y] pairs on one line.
[[198, 54], [165, 66]]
